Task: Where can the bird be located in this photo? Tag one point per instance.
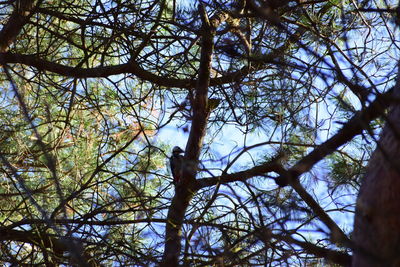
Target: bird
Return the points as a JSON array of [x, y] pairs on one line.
[[176, 162]]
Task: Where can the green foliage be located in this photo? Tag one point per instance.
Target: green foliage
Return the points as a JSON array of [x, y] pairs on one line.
[[345, 170], [92, 94]]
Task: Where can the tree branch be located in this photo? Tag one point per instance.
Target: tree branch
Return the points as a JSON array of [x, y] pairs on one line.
[[105, 71], [353, 127], [186, 189], [359, 122], [272, 166], [334, 256], [57, 245], [19, 17]]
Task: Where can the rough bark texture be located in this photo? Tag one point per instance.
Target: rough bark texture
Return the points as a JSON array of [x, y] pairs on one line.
[[377, 222]]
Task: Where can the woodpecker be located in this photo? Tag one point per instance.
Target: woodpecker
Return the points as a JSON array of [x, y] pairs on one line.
[[176, 162]]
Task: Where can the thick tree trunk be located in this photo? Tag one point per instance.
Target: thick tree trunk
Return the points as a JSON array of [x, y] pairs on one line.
[[377, 223]]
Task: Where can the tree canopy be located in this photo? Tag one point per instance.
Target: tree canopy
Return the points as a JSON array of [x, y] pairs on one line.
[[277, 104]]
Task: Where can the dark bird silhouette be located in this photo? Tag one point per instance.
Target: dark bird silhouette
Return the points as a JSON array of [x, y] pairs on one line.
[[176, 163]]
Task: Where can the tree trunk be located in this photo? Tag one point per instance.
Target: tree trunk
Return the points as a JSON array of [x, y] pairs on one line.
[[377, 222]]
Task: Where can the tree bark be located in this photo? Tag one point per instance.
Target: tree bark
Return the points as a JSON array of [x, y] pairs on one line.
[[377, 222], [186, 188]]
